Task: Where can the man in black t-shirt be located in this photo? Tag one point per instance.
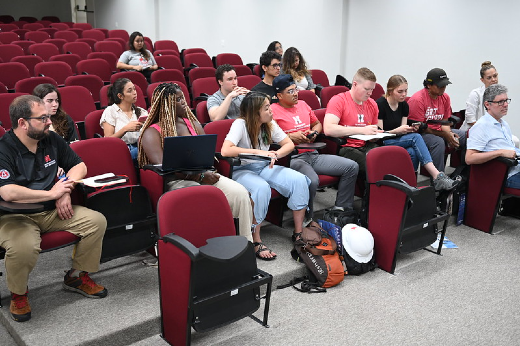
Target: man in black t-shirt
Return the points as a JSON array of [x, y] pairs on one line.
[[30, 155], [271, 63]]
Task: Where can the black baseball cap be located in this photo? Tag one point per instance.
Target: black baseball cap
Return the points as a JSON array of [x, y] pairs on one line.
[[438, 77], [281, 82]]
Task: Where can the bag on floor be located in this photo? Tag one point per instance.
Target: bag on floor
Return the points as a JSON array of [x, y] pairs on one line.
[[355, 245], [318, 251], [340, 217]]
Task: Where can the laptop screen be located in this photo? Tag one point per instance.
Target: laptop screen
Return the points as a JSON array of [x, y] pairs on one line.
[[188, 153]]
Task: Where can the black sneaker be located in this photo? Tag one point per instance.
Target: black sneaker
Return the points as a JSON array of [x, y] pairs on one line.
[[443, 182]]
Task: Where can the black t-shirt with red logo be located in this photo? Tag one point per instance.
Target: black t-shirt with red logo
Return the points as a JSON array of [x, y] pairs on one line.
[[35, 171]]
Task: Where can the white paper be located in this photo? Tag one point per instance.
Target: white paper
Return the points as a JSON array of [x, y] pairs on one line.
[[369, 137], [90, 181]]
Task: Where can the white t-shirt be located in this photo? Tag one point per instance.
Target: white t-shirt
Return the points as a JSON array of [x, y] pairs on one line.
[[238, 136], [114, 116]]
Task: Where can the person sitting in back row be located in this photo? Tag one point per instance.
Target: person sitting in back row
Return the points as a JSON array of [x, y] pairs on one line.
[[138, 58], [225, 103], [294, 64]]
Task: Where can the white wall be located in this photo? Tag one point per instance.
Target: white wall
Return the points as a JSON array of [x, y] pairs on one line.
[[411, 37], [245, 27], [37, 8]]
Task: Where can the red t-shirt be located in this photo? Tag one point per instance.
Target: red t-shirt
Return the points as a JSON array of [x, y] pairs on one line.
[[423, 108], [298, 118], [352, 114]]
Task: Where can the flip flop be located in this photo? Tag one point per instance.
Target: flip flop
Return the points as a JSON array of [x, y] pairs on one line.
[[262, 248]]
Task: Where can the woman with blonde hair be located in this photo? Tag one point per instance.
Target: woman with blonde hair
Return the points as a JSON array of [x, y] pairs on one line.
[[170, 116], [253, 133], [393, 118]]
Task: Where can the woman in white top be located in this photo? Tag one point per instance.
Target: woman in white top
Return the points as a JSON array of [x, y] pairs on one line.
[[138, 58], [253, 133], [475, 105], [121, 118]]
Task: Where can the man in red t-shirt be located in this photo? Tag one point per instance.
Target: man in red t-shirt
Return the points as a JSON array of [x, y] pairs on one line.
[[298, 120], [354, 113], [432, 103]]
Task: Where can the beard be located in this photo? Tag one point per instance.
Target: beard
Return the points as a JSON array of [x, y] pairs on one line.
[[36, 134]]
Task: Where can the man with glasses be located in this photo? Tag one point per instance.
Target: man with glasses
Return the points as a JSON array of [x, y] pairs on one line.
[[354, 113], [433, 104], [298, 120], [225, 103], [30, 155], [271, 63], [491, 136]]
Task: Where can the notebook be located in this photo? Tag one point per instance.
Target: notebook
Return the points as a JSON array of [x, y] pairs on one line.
[[188, 153]]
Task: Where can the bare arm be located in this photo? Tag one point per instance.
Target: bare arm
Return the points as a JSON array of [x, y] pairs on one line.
[[332, 128], [475, 157], [123, 66], [132, 126], [152, 145], [220, 112]]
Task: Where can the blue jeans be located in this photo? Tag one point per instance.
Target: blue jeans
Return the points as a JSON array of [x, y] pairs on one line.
[[258, 179], [414, 144], [513, 181], [133, 150]]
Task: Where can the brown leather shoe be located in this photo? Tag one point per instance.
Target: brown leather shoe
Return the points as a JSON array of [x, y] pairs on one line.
[[83, 284], [20, 308]]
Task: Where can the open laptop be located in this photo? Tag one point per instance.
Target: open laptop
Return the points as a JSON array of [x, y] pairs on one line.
[[188, 153]]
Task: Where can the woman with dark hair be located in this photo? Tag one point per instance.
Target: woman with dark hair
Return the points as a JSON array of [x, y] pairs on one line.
[[253, 133], [62, 123], [275, 46], [393, 118], [121, 118], [294, 64], [138, 58], [171, 116]]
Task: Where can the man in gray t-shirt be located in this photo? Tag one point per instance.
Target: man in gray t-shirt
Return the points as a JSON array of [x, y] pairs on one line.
[[225, 103]]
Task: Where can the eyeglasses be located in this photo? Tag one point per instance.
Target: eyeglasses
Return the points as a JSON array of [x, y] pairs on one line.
[[279, 65], [43, 118], [501, 102], [292, 91]]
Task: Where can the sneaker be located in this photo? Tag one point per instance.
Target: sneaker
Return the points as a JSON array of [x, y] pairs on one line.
[[151, 262], [83, 284], [443, 182], [20, 308]]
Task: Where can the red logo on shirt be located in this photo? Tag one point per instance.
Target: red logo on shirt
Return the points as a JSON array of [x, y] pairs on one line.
[[47, 158], [4, 174]]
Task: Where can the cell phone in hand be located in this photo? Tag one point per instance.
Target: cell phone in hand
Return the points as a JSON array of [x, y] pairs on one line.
[[417, 124], [311, 134], [142, 118]]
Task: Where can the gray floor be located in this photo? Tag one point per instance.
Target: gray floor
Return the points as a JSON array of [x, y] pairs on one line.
[[467, 296]]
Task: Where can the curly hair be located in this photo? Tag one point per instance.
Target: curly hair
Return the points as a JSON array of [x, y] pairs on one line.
[[162, 113], [289, 57]]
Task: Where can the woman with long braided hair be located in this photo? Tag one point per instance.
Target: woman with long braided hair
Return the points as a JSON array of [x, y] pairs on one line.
[[170, 116], [253, 133]]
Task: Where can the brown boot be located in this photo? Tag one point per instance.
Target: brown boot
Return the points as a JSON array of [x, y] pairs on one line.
[[20, 308]]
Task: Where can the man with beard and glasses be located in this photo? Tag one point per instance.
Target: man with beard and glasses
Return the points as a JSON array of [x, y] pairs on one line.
[[30, 155]]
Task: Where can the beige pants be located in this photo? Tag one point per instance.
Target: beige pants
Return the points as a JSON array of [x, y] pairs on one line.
[[237, 196], [20, 237]]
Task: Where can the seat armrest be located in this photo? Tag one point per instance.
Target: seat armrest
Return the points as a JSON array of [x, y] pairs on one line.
[[185, 246], [224, 249], [233, 161], [14, 207], [336, 140], [407, 189], [509, 162]]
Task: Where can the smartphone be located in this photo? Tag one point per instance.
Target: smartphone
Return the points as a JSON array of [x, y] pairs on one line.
[[311, 134], [142, 118], [417, 124]]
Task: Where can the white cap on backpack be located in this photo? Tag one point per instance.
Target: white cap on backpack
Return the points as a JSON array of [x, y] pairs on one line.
[[358, 242]]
